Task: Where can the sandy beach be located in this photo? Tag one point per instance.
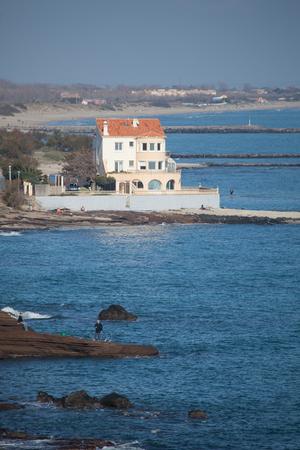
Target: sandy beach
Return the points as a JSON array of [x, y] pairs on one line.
[[38, 115]]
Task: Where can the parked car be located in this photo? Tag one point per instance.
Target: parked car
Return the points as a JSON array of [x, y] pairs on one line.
[[73, 187]]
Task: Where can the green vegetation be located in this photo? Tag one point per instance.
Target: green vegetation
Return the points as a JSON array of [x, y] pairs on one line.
[[16, 150], [106, 183], [23, 151]]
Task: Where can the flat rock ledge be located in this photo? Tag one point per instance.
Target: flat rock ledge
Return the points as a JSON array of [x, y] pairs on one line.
[[14, 220], [52, 443], [18, 343]]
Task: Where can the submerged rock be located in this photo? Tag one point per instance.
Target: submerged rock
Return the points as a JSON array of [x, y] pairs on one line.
[[116, 312], [115, 400], [8, 406], [197, 414]]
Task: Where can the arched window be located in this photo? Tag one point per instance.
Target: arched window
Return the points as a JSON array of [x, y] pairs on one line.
[[170, 184], [138, 184], [154, 185]]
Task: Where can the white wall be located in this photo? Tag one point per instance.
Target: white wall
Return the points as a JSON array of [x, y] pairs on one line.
[[105, 151], [119, 202]]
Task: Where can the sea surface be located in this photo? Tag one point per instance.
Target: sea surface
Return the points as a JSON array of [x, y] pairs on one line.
[[269, 188], [220, 302]]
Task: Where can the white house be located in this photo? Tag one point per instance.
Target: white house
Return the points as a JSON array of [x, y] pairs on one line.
[[133, 151]]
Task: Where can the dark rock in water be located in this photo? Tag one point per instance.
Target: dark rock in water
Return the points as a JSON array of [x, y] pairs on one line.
[[8, 406], [197, 414], [80, 400], [79, 444], [44, 397], [116, 312], [9, 434], [115, 400]]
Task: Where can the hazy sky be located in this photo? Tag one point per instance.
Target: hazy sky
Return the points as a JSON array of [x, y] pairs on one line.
[[150, 41]]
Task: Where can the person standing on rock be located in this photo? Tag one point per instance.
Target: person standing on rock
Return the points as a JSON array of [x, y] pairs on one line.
[[21, 322], [98, 329]]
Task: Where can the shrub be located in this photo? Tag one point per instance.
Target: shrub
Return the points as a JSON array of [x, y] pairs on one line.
[[106, 183], [12, 196]]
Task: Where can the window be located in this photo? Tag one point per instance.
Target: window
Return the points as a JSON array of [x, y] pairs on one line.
[[131, 163], [131, 143], [151, 165], [118, 166], [142, 165], [144, 146], [154, 185], [118, 146], [158, 147], [160, 165], [152, 147]]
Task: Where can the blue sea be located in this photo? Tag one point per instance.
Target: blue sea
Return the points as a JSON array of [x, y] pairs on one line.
[[220, 302]]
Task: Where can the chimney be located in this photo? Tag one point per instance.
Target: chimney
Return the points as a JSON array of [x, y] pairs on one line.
[[135, 123], [105, 128]]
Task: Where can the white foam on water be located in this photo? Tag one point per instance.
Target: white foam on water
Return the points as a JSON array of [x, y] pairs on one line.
[[10, 233], [28, 315], [127, 446]]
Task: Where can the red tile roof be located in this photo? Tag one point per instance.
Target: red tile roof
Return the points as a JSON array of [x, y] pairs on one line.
[[124, 127]]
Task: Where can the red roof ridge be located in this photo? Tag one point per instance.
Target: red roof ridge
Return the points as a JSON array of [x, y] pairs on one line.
[[145, 127]]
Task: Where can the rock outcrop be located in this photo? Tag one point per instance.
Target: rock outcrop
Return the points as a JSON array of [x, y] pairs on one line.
[[197, 414], [82, 400], [56, 444], [115, 400], [15, 342], [116, 312]]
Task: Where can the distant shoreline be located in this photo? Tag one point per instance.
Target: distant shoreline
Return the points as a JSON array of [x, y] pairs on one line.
[[38, 115]]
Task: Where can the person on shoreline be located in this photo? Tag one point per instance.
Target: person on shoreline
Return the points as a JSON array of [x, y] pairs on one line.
[[98, 329], [21, 322]]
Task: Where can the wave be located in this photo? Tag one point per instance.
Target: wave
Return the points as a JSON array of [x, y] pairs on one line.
[[10, 233], [28, 315]]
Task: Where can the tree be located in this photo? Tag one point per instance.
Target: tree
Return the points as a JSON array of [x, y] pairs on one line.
[[80, 164]]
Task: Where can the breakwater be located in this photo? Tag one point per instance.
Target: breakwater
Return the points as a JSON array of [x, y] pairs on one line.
[[190, 129], [233, 155], [235, 164]]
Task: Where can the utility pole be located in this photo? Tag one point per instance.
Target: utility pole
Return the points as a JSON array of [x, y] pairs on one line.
[[9, 173], [18, 179]]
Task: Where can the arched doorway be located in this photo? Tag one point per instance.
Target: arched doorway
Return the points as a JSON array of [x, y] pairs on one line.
[[138, 184], [154, 185], [170, 185]]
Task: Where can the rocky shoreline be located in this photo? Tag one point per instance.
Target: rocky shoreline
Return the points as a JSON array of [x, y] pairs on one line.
[[13, 220], [18, 437], [15, 342]]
